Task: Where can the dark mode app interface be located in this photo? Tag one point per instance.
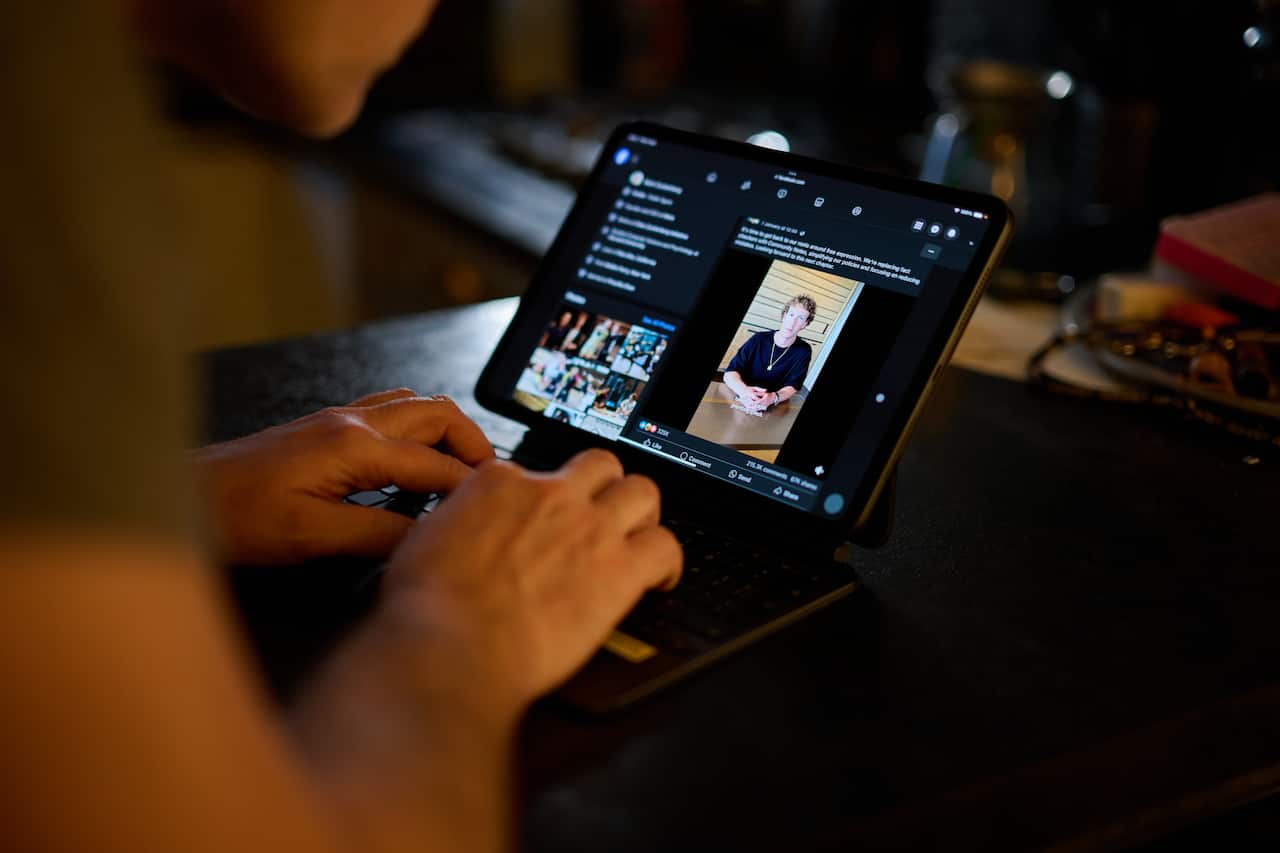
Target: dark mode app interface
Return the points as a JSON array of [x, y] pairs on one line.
[[755, 324]]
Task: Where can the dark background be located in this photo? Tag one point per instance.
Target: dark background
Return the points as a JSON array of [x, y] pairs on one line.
[[471, 148], [1172, 111]]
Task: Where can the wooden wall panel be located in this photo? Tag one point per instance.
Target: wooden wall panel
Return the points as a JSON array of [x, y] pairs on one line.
[[782, 282]]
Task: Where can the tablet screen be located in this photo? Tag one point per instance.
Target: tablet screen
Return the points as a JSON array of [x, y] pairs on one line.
[[757, 324]]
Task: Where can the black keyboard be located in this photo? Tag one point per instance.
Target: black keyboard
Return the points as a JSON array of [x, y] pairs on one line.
[[729, 587], [408, 504]]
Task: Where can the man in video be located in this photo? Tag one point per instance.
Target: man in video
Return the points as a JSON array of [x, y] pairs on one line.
[[553, 336], [770, 367]]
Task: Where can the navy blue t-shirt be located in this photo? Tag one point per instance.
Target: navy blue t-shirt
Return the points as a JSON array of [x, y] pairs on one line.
[[751, 362]]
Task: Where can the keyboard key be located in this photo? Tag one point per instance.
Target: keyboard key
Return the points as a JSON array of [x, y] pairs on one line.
[[408, 507], [367, 498], [429, 507]]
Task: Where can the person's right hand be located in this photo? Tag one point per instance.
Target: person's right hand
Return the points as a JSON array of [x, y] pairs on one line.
[[518, 577]]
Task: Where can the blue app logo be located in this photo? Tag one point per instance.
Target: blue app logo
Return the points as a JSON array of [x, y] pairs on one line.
[[622, 156]]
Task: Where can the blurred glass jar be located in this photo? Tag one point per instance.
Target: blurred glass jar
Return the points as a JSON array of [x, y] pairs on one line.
[[1027, 135]]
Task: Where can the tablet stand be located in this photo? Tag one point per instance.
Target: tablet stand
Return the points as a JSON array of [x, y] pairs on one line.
[[875, 531]]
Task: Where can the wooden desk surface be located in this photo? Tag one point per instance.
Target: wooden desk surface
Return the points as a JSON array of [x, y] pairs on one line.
[[1069, 641], [716, 420]]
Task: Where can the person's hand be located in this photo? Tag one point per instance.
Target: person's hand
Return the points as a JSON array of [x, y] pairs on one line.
[[517, 578], [275, 497], [755, 397]]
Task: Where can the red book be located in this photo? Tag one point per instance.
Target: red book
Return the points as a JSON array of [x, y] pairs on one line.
[[1234, 249]]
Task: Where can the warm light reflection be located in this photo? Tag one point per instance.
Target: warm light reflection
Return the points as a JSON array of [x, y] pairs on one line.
[[1003, 182]]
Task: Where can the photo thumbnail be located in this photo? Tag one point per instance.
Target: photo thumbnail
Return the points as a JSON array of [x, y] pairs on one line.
[[589, 370], [640, 353], [582, 334]]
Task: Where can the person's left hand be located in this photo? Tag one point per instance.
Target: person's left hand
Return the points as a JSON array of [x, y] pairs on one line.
[[275, 497]]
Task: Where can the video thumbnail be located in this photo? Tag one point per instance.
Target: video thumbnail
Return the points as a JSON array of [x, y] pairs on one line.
[[761, 383]]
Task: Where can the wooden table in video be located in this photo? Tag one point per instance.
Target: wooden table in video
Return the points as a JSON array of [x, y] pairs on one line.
[[733, 428]]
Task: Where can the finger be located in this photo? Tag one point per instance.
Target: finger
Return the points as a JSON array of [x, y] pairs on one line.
[[431, 420], [381, 397], [633, 503], [406, 464], [356, 531], [653, 561], [592, 470], [658, 560]]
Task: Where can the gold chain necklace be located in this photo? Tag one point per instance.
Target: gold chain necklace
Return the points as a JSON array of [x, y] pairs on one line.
[[772, 360]]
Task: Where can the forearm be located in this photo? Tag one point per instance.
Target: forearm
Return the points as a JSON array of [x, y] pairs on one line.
[[733, 380], [406, 750], [127, 688], [382, 758]]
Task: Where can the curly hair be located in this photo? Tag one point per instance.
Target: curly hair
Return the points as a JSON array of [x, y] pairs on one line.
[[806, 302]]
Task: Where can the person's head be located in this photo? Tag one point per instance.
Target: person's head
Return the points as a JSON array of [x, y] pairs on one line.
[[566, 318], [301, 63], [798, 313]]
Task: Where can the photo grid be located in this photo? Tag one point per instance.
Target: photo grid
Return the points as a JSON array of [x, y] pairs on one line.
[[588, 370]]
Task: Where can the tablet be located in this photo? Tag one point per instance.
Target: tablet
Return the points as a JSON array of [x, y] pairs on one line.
[[756, 330]]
